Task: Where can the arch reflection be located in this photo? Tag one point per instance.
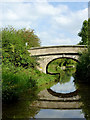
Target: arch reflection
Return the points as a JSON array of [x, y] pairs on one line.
[[65, 95]]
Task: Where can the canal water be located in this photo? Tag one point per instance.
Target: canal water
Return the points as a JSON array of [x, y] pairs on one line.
[[64, 99]]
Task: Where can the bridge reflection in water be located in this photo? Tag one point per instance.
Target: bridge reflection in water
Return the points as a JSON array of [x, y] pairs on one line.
[[60, 99], [59, 96], [58, 105], [48, 100], [55, 105]]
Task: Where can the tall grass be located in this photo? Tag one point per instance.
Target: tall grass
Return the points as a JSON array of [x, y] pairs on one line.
[[17, 82]]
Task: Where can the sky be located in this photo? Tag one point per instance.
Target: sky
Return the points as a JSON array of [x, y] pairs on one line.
[[55, 23], [66, 87], [57, 113]]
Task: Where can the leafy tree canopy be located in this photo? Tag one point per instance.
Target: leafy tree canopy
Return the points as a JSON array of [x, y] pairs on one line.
[[89, 35], [14, 46], [84, 33]]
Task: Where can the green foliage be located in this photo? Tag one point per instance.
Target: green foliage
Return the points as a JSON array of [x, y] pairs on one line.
[[83, 76], [15, 82], [65, 75], [84, 33], [29, 37], [56, 65], [14, 49], [83, 68], [89, 35], [18, 81], [21, 110], [84, 92], [64, 67], [19, 73], [16, 62]]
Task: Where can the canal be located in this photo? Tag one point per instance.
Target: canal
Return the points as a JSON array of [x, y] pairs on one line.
[[62, 99]]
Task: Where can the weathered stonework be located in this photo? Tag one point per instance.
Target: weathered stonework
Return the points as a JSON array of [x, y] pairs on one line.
[[47, 101], [47, 54]]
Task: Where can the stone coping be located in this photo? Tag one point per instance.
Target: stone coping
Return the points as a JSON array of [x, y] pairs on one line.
[[43, 47]]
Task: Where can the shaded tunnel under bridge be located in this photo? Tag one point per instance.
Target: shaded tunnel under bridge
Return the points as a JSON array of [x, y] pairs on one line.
[[50, 53]]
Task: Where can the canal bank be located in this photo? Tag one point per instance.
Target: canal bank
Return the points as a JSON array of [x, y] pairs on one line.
[[45, 104]]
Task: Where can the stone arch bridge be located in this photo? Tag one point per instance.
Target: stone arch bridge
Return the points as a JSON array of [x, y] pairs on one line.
[[50, 53]]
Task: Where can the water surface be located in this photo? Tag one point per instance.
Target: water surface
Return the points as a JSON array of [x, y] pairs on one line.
[[65, 85]]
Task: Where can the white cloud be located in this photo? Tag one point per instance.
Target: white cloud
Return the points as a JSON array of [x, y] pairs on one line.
[[62, 20], [48, 9], [18, 11], [51, 38], [72, 21], [54, 24], [44, 0], [11, 15]]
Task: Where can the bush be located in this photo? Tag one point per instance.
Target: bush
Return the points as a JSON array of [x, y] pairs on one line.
[[16, 81], [14, 49], [17, 63], [19, 74], [83, 68]]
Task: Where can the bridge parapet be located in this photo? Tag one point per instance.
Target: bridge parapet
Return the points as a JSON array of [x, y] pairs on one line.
[[55, 50]]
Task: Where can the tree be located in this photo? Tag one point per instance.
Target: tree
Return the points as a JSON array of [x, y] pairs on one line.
[[83, 68], [14, 49], [29, 37], [84, 34], [89, 35]]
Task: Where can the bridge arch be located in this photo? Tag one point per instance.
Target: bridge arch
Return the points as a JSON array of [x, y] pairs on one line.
[[63, 57], [65, 95]]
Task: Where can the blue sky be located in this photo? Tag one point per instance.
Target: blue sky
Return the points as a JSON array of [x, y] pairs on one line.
[[57, 113], [56, 23]]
